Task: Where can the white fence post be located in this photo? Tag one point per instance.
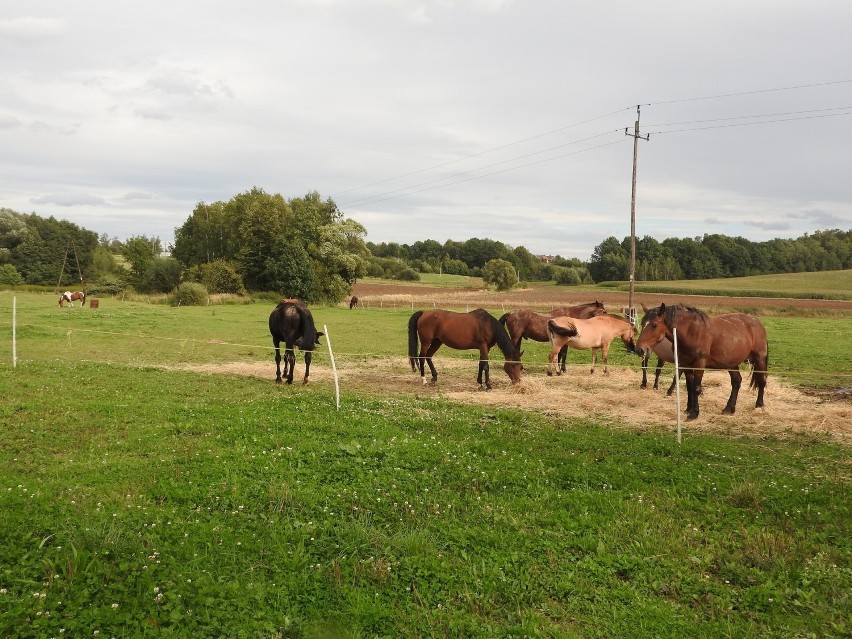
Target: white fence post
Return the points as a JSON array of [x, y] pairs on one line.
[[14, 333], [677, 382], [333, 367]]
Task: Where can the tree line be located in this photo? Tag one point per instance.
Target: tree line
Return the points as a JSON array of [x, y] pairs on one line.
[[305, 248]]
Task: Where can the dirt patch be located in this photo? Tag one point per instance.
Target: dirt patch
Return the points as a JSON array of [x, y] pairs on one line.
[[614, 399]]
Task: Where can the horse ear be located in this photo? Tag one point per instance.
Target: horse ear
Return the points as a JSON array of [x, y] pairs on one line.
[[662, 308], [644, 308]]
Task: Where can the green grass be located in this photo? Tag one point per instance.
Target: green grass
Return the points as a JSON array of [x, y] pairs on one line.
[[141, 502], [819, 285]]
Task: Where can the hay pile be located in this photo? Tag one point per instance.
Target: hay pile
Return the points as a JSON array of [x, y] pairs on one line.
[[614, 399]]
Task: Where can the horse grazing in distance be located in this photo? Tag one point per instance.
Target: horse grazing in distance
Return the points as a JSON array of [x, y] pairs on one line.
[[353, 303], [526, 324], [703, 342], [292, 323], [593, 333], [70, 298], [664, 350], [477, 329]]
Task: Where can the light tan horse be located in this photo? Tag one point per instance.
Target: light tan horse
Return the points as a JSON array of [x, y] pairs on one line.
[[584, 334]]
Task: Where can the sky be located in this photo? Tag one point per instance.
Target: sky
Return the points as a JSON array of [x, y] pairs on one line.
[[447, 119]]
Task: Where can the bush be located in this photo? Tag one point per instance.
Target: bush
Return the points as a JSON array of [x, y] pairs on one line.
[[9, 276], [219, 276], [107, 285], [409, 275], [569, 277], [500, 274], [189, 294]]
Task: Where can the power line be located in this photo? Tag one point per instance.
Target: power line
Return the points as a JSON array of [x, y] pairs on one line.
[[477, 177], [744, 117], [481, 153], [371, 198], [736, 124], [758, 91]]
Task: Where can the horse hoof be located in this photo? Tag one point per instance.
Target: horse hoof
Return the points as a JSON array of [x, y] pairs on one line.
[[278, 381], [728, 411], [549, 374], [304, 381], [691, 416]]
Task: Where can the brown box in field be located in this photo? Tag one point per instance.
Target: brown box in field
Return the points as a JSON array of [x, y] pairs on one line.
[[94, 303]]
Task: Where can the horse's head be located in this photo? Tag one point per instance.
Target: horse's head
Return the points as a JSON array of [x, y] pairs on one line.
[[654, 329], [514, 367]]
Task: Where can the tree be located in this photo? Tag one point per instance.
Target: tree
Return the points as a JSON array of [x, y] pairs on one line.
[[499, 274], [139, 252], [610, 261]]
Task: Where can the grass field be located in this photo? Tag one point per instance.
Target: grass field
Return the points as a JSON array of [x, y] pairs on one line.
[[140, 501]]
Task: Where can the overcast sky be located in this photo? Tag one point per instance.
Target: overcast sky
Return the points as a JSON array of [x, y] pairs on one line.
[[436, 120]]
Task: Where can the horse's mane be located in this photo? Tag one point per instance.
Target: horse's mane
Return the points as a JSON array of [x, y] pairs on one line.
[[504, 342], [674, 309]]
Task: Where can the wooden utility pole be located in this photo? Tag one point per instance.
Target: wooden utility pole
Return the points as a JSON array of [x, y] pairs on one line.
[[631, 311]]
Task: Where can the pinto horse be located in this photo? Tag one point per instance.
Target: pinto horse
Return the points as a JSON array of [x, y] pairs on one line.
[[528, 324], [70, 297], [594, 333], [292, 323], [477, 329], [704, 342]]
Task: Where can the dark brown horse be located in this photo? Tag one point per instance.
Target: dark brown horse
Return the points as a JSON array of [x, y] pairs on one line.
[[722, 343], [477, 329], [292, 323], [664, 350], [524, 323], [353, 302]]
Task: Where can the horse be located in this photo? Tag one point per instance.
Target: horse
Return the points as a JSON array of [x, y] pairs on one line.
[[528, 324], [721, 343], [594, 333], [70, 297], [664, 350], [477, 329], [292, 323], [353, 302]]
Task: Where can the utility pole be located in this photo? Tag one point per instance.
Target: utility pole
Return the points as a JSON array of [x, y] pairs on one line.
[[631, 311]]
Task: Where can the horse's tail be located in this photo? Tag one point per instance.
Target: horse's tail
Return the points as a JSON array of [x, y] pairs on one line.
[[563, 331], [83, 301], [503, 318], [758, 376], [412, 339], [310, 335]]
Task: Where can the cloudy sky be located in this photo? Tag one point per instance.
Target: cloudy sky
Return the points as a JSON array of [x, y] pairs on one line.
[[445, 119]]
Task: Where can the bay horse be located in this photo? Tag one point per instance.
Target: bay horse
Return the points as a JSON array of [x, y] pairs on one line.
[[664, 350], [353, 302], [70, 297], [721, 343], [292, 323], [527, 324], [594, 333], [477, 329]]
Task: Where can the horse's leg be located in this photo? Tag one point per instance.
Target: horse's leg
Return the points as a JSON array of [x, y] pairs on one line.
[[277, 344], [563, 359], [674, 383], [594, 359], [289, 362], [657, 372], [605, 357], [646, 355], [691, 395], [554, 352], [484, 368], [308, 358], [736, 382], [426, 357]]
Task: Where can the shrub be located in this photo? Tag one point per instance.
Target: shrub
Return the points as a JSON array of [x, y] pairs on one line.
[[409, 275], [569, 277], [189, 294], [219, 276], [107, 285], [500, 274], [9, 276]]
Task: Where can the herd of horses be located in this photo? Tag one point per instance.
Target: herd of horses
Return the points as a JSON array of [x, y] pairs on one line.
[[703, 342]]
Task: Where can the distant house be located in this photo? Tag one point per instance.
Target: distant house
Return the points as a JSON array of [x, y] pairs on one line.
[[547, 259]]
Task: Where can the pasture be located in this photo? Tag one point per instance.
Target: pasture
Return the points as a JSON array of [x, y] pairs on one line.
[[156, 482]]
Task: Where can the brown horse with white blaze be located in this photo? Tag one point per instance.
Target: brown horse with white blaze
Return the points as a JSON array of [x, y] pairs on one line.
[[594, 333], [703, 342], [477, 329], [526, 324]]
